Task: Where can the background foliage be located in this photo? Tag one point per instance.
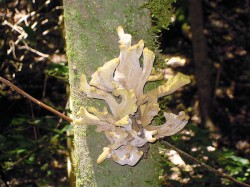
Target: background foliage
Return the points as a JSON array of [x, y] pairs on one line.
[[226, 32], [32, 141], [33, 148]]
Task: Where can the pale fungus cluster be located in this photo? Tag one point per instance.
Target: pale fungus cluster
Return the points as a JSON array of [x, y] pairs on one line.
[[128, 122]]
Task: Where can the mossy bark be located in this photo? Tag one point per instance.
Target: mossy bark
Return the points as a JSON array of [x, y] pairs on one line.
[[92, 40]]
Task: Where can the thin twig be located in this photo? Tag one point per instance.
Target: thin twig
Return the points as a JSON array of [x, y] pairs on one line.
[[12, 86], [22, 33], [33, 117], [27, 47], [217, 79], [209, 168]]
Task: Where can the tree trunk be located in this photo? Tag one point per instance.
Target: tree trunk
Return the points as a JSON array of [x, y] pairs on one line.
[[202, 64], [92, 40]]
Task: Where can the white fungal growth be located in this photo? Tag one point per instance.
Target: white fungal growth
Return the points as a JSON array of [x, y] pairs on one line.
[[128, 125]]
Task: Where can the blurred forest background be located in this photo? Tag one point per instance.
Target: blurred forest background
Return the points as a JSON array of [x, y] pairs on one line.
[[33, 142]]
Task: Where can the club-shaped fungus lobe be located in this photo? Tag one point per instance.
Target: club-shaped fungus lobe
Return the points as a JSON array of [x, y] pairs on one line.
[[128, 123]]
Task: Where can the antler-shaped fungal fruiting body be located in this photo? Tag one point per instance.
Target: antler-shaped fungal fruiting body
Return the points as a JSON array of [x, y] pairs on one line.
[[128, 125]]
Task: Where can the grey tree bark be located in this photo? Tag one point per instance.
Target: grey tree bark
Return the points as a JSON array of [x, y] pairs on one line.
[[92, 40]]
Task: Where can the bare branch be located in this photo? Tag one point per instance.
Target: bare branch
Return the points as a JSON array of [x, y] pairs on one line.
[[12, 86]]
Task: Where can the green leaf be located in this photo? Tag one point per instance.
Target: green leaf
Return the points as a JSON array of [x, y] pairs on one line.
[[59, 71], [31, 159], [54, 140], [45, 167], [66, 128], [18, 121], [239, 160]]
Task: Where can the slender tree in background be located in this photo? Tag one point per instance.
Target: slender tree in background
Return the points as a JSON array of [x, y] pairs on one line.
[[202, 63], [92, 40]]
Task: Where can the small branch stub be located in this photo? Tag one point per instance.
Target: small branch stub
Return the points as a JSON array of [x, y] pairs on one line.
[[128, 125]]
